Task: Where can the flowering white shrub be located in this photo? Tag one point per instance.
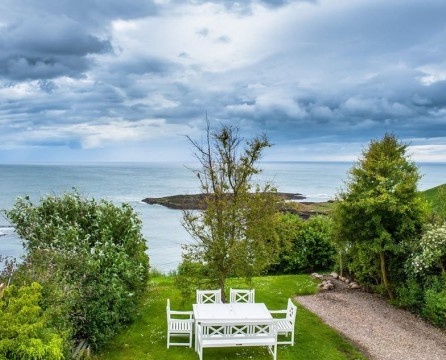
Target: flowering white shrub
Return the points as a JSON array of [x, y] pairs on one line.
[[433, 250]]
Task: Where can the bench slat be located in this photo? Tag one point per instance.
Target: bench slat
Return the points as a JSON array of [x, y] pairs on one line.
[[221, 333]]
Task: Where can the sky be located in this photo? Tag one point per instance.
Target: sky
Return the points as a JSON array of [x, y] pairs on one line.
[[130, 80]]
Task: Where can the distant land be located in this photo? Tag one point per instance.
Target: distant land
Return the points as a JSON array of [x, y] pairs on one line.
[[292, 203]]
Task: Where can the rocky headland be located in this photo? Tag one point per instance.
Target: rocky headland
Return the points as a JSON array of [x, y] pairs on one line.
[[291, 203]]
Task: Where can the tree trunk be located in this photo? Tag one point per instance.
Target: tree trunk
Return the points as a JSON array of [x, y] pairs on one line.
[[384, 275], [341, 264], [222, 284]]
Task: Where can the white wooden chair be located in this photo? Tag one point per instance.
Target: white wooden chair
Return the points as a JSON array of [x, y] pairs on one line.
[[286, 322], [241, 296], [179, 323], [208, 296]]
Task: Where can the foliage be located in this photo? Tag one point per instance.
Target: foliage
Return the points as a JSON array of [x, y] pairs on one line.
[[432, 250], [235, 232], [146, 337], [25, 329], [89, 256], [427, 267], [191, 276], [436, 198], [8, 264], [379, 212], [410, 295], [311, 246], [434, 307]]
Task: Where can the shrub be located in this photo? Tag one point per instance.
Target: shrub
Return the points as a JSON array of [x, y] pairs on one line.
[[435, 307], [192, 275], [25, 330], [432, 250], [90, 256], [410, 295], [311, 244]]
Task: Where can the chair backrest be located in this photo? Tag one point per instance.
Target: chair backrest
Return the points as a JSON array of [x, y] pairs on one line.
[[168, 309], [291, 311], [241, 296], [208, 296]]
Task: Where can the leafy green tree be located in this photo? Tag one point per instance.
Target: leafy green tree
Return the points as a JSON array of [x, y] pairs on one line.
[[90, 258], [25, 329], [234, 235], [379, 212]]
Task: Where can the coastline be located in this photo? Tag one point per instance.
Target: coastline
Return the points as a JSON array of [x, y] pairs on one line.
[[292, 203]]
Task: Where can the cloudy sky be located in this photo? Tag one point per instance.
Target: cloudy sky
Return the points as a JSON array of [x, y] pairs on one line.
[[126, 80]]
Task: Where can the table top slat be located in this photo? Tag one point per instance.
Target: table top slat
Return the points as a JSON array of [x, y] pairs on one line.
[[231, 311]]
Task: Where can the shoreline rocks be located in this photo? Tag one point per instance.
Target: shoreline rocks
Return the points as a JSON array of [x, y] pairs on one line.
[[196, 201]]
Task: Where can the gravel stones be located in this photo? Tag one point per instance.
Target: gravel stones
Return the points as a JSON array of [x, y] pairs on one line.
[[381, 331]]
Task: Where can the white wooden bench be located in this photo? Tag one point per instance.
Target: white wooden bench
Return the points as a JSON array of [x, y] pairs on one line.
[[224, 333], [82, 350]]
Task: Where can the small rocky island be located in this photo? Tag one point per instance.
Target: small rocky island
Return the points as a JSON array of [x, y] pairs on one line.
[[196, 202]]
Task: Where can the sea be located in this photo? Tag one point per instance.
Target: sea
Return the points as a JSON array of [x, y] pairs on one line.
[[132, 182]]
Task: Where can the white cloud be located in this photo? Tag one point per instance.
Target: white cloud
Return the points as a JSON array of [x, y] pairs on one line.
[[428, 153], [212, 37], [432, 74]]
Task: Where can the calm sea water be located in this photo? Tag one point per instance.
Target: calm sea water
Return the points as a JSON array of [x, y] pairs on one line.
[[318, 181]]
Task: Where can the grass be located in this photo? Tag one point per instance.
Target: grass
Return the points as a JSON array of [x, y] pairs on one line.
[[435, 194], [146, 337]]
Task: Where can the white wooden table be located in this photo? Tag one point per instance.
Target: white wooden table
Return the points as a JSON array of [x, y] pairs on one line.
[[229, 312]]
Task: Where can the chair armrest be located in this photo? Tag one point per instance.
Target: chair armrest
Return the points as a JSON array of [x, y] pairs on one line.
[[184, 313], [278, 311]]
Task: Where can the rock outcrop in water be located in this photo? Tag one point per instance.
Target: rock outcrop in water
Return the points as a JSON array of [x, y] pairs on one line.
[[196, 202]]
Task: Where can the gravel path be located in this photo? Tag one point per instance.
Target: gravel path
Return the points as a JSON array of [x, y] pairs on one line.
[[383, 332]]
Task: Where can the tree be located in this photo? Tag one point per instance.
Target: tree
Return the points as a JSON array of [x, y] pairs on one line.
[[89, 256], [379, 212], [234, 235]]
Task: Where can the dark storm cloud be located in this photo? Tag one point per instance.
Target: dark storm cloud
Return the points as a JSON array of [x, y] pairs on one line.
[[244, 7], [52, 38], [144, 65], [91, 13], [393, 101]]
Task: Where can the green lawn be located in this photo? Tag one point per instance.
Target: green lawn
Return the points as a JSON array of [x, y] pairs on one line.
[[146, 337]]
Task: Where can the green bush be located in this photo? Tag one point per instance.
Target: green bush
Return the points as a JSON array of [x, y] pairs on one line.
[[89, 256], [25, 329], [410, 295], [362, 266], [311, 244], [432, 250], [435, 307], [192, 275], [424, 291]]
